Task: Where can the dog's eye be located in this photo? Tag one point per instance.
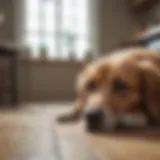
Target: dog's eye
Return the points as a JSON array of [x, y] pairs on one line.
[[91, 86], [120, 85]]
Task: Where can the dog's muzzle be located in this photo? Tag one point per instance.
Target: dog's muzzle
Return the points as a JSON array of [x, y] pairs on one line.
[[94, 118], [97, 119]]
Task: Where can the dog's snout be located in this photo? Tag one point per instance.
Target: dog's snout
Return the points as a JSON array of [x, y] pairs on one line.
[[94, 118], [94, 114]]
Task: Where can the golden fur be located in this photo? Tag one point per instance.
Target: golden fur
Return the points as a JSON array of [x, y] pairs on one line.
[[138, 68]]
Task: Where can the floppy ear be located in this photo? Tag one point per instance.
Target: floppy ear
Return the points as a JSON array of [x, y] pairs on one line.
[[150, 73]]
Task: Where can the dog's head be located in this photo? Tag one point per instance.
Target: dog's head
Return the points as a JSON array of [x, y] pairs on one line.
[[122, 83]]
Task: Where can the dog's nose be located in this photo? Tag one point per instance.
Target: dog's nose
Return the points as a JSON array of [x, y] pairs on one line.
[[94, 118]]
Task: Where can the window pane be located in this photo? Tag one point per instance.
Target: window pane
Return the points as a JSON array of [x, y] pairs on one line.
[[67, 15], [65, 48], [32, 13], [75, 15], [32, 5], [32, 24], [49, 14], [49, 42], [81, 48], [74, 26], [82, 16]]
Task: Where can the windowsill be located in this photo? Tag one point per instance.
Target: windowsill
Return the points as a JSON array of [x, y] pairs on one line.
[[51, 62]]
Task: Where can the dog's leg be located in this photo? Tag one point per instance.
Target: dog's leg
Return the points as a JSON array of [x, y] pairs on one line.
[[73, 115]]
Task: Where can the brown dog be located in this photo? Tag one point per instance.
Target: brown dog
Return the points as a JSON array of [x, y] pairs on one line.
[[124, 82]]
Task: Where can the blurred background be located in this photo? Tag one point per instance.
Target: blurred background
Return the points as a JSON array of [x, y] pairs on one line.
[[53, 38]]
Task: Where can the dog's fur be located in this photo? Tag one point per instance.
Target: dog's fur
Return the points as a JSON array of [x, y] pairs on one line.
[[136, 71]]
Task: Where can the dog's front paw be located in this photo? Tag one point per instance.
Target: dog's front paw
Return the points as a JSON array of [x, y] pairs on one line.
[[66, 118]]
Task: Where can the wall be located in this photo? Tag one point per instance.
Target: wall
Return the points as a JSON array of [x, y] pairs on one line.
[[153, 16], [44, 81], [112, 23], [7, 28], [116, 24]]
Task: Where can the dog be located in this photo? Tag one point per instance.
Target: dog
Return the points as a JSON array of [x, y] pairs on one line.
[[125, 82]]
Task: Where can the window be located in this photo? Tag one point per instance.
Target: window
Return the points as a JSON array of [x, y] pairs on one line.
[[59, 26]]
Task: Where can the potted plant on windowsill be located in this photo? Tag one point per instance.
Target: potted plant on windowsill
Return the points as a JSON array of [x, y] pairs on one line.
[[70, 39], [26, 53], [89, 56], [43, 52]]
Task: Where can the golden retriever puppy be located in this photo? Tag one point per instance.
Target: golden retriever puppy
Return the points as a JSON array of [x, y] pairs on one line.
[[126, 82]]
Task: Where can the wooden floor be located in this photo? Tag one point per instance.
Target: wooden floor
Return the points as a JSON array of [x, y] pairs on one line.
[[31, 133]]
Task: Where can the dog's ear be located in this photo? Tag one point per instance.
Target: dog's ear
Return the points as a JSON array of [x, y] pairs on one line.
[[150, 74]]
